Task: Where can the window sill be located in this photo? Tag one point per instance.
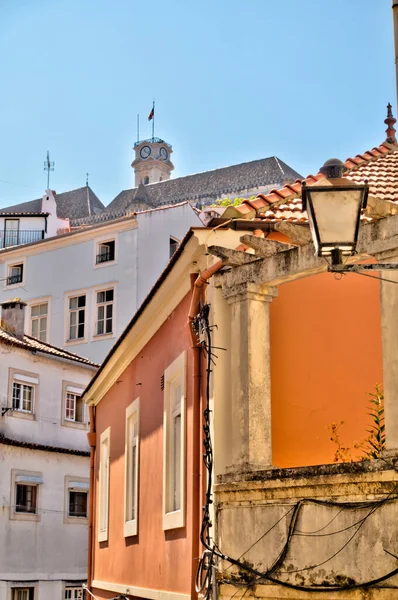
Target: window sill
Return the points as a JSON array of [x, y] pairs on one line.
[[97, 337], [74, 424], [173, 520], [76, 341], [130, 528], [14, 286], [107, 263], [22, 415], [103, 536], [75, 520], [14, 516]]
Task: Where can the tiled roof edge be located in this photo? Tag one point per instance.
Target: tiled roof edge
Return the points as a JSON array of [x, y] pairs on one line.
[[31, 446]]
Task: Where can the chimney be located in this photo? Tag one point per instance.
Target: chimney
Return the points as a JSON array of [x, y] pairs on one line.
[[13, 316], [395, 23]]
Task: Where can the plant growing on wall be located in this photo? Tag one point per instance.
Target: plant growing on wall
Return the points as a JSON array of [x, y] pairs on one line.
[[230, 201], [370, 447]]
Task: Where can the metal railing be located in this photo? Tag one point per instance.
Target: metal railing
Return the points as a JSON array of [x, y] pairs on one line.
[[153, 140], [13, 279], [104, 257], [17, 238]]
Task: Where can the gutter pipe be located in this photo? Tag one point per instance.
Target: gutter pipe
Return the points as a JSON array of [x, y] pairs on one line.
[[91, 436]]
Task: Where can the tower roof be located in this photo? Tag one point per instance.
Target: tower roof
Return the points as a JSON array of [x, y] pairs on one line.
[[211, 184]]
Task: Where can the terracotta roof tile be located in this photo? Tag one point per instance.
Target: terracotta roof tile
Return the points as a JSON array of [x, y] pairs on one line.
[[378, 166], [34, 345]]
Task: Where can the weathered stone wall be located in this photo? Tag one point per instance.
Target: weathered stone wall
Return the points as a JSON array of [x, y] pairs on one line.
[[345, 520]]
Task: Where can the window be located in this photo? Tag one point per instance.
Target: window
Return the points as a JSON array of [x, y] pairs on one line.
[[38, 319], [26, 498], [25, 488], [146, 180], [21, 593], [15, 274], [173, 245], [104, 312], [11, 232], [23, 393], [106, 252], [77, 317], [22, 397], [78, 504], [73, 593], [76, 499], [131, 457], [104, 485], [73, 409], [174, 444]]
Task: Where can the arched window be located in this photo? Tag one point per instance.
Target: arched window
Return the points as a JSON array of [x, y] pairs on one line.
[[146, 180], [160, 178]]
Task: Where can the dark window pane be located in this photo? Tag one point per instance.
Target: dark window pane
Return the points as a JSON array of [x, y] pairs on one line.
[[78, 504]]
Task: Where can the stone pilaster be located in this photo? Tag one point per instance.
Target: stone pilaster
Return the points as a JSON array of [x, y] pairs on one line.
[[389, 335], [250, 376]]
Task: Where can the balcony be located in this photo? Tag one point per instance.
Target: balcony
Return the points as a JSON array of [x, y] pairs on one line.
[[13, 279], [17, 238], [153, 140]]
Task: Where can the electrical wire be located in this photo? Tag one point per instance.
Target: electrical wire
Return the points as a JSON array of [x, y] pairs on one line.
[[206, 565]]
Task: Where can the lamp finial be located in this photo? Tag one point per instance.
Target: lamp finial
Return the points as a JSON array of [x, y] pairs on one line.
[[390, 122]]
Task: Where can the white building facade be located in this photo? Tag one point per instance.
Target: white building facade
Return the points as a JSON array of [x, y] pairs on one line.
[[83, 287], [44, 474]]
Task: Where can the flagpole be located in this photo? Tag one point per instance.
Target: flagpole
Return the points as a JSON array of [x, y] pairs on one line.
[[153, 120], [138, 128]]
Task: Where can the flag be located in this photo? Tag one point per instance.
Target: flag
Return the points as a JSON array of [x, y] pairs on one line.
[[151, 114]]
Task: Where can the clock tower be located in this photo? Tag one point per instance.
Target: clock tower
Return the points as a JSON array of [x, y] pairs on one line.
[[152, 161]]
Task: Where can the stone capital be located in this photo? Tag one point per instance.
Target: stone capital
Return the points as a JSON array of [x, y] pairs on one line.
[[249, 291]]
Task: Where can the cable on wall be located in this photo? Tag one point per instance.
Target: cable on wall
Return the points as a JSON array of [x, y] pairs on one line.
[[207, 563]]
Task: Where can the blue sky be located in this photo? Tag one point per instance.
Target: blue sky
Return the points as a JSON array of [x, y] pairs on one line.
[[233, 80]]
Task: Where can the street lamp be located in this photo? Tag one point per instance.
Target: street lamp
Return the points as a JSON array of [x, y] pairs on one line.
[[334, 211]]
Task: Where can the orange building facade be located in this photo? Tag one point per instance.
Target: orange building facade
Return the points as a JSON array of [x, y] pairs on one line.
[[295, 352]]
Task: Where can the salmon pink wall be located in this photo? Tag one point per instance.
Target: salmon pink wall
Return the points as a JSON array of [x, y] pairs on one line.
[[154, 559], [325, 359]]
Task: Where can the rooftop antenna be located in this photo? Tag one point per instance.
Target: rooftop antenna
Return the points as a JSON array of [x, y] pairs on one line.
[[88, 197], [48, 166], [138, 128]]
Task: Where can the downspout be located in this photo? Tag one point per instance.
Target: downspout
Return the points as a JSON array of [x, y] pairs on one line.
[[91, 436], [200, 281], [395, 23]]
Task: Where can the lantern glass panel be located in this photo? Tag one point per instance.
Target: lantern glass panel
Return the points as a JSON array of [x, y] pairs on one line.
[[336, 213]]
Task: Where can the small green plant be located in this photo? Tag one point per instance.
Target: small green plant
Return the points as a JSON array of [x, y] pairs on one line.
[[372, 446], [230, 201]]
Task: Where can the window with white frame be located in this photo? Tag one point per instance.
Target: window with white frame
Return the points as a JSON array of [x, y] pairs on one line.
[[105, 299], [77, 317], [23, 392], [105, 252], [38, 321], [26, 498], [15, 274], [174, 444], [25, 495], [104, 485], [131, 457], [173, 245], [73, 593], [22, 593], [73, 405]]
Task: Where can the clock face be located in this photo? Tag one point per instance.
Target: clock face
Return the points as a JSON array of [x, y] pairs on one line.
[[163, 153], [145, 151]]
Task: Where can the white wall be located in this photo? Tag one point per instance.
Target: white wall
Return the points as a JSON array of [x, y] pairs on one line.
[[52, 271], [154, 231], [46, 428], [47, 548], [70, 267]]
